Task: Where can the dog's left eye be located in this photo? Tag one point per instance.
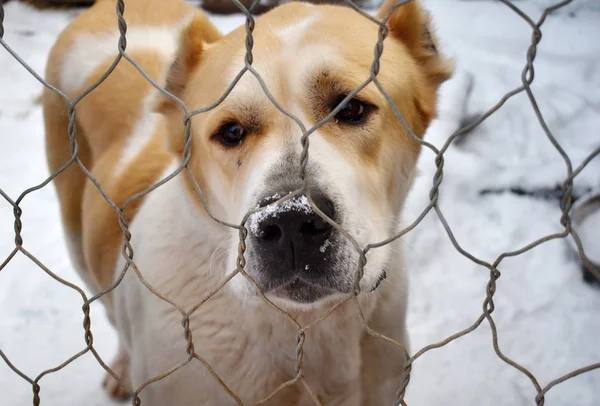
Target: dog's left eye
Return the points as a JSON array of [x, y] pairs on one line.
[[353, 112], [231, 134]]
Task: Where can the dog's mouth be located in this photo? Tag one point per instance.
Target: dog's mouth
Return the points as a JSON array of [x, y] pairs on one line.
[[302, 292], [380, 279]]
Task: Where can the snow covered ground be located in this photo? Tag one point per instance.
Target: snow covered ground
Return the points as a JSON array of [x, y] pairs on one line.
[[548, 319]]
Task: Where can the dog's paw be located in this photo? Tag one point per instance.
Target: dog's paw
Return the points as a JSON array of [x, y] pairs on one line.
[[114, 389]]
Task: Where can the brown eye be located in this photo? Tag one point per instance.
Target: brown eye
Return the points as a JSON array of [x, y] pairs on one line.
[[353, 112], [231, 134]]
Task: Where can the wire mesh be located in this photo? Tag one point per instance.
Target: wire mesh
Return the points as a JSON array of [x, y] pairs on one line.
[[127, 252]]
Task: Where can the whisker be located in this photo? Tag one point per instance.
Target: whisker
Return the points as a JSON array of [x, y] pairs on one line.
[[219, 249]]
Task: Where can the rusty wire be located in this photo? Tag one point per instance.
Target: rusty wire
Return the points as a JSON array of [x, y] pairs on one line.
[[488, 306]]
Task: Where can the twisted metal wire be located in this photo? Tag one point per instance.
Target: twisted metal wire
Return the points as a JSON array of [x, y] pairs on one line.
[[127, 252]]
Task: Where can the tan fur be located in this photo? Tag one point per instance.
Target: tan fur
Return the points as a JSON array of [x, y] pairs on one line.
[[104, 119], [411, 71]]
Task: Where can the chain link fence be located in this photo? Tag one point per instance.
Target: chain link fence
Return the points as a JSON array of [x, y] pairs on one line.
[[488, 306]]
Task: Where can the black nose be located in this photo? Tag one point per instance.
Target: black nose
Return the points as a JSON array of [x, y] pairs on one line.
[[292, 233]]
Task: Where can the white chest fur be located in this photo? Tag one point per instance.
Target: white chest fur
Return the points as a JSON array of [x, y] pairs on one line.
[[249, 345]]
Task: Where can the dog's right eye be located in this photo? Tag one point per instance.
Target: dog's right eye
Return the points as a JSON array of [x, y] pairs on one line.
[[231, 134], [354, 112]]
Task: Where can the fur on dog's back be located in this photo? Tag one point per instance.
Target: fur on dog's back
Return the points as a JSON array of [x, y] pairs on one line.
[[116, 122]]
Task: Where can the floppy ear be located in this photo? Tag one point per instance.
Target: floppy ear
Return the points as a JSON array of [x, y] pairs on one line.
[[410, 24], [193, 41]]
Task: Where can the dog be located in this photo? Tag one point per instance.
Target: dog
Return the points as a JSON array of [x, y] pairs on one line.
[[244, 154]]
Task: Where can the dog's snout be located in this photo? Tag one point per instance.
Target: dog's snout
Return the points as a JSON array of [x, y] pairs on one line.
[[292, 232], [300, 228]]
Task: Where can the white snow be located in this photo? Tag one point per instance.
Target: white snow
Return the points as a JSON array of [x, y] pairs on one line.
[[588, 233], [274, 210], [323, 247], [547, 318]]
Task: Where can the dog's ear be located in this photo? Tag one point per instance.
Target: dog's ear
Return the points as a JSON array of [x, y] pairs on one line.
[[409, 23], [193, 41]]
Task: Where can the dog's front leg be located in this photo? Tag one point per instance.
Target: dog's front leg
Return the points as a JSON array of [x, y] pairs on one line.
[[118, 389]]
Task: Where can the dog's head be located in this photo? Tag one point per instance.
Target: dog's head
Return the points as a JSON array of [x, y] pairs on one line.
[[246, 153]]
